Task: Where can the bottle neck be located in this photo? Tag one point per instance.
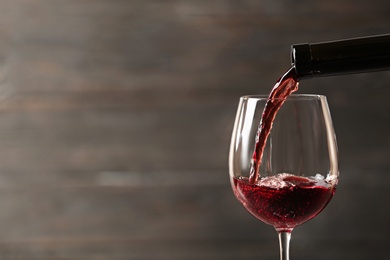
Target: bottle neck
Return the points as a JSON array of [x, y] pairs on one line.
[[348, 56]]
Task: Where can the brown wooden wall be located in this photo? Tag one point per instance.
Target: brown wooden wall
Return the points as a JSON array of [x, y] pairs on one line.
[[115, 123]]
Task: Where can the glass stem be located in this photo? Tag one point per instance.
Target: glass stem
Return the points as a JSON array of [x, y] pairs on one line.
[[284, 244]]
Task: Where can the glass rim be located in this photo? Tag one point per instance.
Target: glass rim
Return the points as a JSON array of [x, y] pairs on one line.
[[292, 96]]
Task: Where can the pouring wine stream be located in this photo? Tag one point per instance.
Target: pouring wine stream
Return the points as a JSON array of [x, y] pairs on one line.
[[283, 88]]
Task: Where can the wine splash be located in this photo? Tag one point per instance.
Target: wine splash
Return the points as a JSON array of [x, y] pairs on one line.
[[283, 88]]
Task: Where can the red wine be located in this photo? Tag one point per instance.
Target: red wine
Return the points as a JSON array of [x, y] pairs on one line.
[[284, 200], [286, 85]]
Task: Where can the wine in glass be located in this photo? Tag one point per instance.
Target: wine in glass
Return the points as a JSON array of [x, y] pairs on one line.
[[297, 170]]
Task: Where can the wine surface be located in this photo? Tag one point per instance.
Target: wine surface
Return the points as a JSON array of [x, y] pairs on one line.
[[284, 87], [284, 200]]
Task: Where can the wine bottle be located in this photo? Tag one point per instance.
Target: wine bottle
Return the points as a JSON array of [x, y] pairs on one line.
[[356, 55]]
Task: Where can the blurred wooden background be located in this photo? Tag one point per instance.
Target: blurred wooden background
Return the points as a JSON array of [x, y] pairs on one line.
[[115, 123]]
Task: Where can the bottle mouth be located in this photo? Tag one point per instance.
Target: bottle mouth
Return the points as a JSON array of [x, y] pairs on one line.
[[301, 59]]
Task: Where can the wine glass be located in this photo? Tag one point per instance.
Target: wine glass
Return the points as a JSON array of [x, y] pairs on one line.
[[298, 170]]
